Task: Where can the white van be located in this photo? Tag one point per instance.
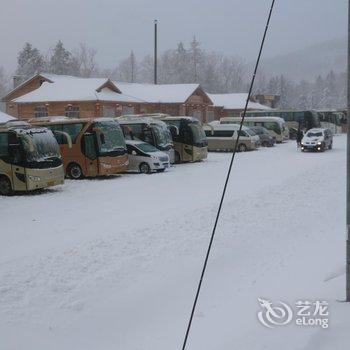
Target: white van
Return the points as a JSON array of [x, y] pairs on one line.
[[222, 137], [145, 158], [276, 126]]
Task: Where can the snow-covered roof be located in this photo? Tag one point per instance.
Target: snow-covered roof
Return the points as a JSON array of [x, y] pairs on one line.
[[5, 117], [235, 101], [162, 93], [68, 88]]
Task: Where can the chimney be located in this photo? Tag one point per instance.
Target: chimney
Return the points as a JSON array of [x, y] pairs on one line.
[[17, 80]]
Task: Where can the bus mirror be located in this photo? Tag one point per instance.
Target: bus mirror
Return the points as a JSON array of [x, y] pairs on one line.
[[66, 136], [28, 141], [100, 134], [211, 128], [174, 130]]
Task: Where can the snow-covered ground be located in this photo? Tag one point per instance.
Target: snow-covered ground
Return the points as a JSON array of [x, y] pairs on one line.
[[114, 263]]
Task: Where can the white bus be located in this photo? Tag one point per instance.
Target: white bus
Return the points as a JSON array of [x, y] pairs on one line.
[[223, 137], [276, 126]]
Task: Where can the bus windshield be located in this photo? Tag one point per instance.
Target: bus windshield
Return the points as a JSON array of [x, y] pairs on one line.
[[162, 136], [199, 137], [40, 146], [110, 138]]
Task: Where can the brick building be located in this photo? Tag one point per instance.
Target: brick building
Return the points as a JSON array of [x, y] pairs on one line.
[[56, 95], [232, 105]]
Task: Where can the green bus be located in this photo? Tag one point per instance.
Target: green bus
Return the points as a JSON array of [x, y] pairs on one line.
[[294, 119]]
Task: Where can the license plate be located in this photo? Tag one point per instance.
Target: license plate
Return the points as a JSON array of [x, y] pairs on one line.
[[51, 183]]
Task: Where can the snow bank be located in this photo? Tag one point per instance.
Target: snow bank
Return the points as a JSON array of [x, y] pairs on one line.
[[235, 101], [5, 117]]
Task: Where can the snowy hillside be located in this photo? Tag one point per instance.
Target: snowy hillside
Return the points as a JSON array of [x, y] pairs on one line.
[[309, 62], [113, 263]]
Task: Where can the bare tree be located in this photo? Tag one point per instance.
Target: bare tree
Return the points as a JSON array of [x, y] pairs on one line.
[[127, 69], [86, 59]]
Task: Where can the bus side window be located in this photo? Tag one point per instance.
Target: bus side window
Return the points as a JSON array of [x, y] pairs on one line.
[[4, 145], [89, 146], [187, 136]]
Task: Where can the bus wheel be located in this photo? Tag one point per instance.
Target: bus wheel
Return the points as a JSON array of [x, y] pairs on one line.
[[74, 171], [242, 147], [5, 186], [145, 168]]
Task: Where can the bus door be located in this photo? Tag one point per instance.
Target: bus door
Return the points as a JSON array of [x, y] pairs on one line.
[[16, 156], [89, 147]]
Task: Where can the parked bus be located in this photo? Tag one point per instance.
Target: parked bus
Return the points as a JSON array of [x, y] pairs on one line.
[[331, 120], [29, 158], [190, 141], [223, 137], [294, 119], [90, 147], [276, 126], [152, 131]]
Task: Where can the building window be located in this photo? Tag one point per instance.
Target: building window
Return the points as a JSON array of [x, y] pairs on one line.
[[72, 112], [108, 112], [41, 112]]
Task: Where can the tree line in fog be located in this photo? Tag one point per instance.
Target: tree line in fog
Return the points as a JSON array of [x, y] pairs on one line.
[[217, 73]]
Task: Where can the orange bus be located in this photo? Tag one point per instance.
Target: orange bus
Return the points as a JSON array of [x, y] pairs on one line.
[[89, 147]]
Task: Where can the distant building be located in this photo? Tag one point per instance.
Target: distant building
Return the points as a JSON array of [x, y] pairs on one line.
[[58, 95], [267, 100], [232, 105]]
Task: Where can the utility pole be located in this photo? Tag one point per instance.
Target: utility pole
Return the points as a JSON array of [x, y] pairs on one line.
[[348, 172], [155, 50]]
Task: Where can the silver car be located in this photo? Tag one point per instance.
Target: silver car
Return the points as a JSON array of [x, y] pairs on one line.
[[145, 158]]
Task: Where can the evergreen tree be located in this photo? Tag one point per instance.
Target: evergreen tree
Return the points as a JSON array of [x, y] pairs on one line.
[[62, 61], [29, 62], [196, 54]]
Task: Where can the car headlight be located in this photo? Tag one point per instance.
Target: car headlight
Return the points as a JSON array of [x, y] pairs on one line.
[[319, 143], [34, 178]]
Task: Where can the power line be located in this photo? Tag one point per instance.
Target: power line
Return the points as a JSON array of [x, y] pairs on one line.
[[227, 179]]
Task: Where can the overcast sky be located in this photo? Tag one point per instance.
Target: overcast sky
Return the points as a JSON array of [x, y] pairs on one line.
[[115, 27]]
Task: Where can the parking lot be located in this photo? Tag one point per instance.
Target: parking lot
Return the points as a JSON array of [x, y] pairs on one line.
[[121, 256]]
